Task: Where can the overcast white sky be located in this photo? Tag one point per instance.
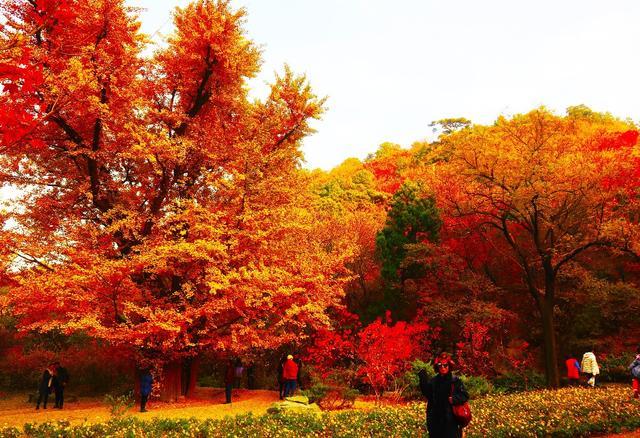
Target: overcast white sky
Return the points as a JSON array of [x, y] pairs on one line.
[[390, 68]]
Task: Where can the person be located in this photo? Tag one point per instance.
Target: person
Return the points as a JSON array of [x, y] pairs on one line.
[[44, 388], [239, 369], [60, 380], [229, 379], [289, 375], [573, 370], [298, 362], [590, 367], [146, 383], [279, 374], [443, 391], [635, 373]]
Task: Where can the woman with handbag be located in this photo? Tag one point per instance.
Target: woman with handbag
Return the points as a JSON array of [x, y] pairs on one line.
[[445, 393]]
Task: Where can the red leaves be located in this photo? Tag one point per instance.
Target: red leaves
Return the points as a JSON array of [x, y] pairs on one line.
[[618, 140], [387, 350], [379, 352]]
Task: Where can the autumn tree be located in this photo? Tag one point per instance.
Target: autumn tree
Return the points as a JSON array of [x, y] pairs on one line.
[[412, 219], [157, 206], [547, 189], [350, 211]]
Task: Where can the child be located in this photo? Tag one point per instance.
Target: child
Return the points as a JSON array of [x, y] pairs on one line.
[[590, 367], [573, 370]]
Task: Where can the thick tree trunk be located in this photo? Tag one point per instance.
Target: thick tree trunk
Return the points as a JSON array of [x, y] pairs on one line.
[[179, 379], [550, 351], [171, 385]]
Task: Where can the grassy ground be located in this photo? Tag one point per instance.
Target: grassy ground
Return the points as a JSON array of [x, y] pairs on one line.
[[207, 403]]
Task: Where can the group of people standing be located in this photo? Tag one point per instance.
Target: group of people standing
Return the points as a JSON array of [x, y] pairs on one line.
[[232, 377], [445, 392], [54, 379], [288, 376], [588, 368]]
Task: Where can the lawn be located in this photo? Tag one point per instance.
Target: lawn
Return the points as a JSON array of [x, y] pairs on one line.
[[207, 403]]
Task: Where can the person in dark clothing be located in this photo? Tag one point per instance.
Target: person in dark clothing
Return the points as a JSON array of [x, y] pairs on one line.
[[146, 383], [298, 362], [44, 388], [442, 391], [60, 380], [229, 378], [280, 370], [239, 370]]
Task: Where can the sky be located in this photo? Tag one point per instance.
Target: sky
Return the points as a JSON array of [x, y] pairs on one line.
[[390, 68]]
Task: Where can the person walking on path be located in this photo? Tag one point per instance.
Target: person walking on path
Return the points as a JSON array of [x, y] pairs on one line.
[[289, 375], [229, 379], [590, 367], [573, 370], [635, 373], [442, 392], [146, 383], [44, 388], [60, 380]]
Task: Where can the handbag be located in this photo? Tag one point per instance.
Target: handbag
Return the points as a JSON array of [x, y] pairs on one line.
[[462, 413]]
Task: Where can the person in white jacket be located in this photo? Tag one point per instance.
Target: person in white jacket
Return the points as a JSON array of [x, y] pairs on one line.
[[590, 367]]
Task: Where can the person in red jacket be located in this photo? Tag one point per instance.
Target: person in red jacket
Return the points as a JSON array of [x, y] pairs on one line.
[[573, 370], [290, 376]]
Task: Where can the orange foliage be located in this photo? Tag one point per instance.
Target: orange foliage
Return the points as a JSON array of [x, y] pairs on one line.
[[159, 207]]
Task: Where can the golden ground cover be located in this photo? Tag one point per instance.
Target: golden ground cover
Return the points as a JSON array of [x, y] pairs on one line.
[[207, 403], [566, 412]]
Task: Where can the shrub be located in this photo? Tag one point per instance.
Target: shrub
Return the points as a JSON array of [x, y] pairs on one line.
[[477, 386], [316, 392], [119, 404], [615, 368], [331, 397], [411, 380], [517, 382]]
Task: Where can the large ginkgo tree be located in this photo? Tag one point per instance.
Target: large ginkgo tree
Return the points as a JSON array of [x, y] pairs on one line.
[[155, 205]]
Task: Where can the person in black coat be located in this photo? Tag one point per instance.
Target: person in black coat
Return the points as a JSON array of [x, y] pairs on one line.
[[44, 388], [60, 380], [443, 391], [229, 379]]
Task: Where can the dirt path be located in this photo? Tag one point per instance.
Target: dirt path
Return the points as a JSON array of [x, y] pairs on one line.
[[208, 403]]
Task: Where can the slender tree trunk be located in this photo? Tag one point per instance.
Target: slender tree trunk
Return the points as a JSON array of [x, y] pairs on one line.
[[190, 369], [550, 350], [136, 382]]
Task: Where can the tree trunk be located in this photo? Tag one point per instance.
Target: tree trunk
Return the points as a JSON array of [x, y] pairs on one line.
[[171, 385], [190, 376], [550, 351], [136, 382]]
